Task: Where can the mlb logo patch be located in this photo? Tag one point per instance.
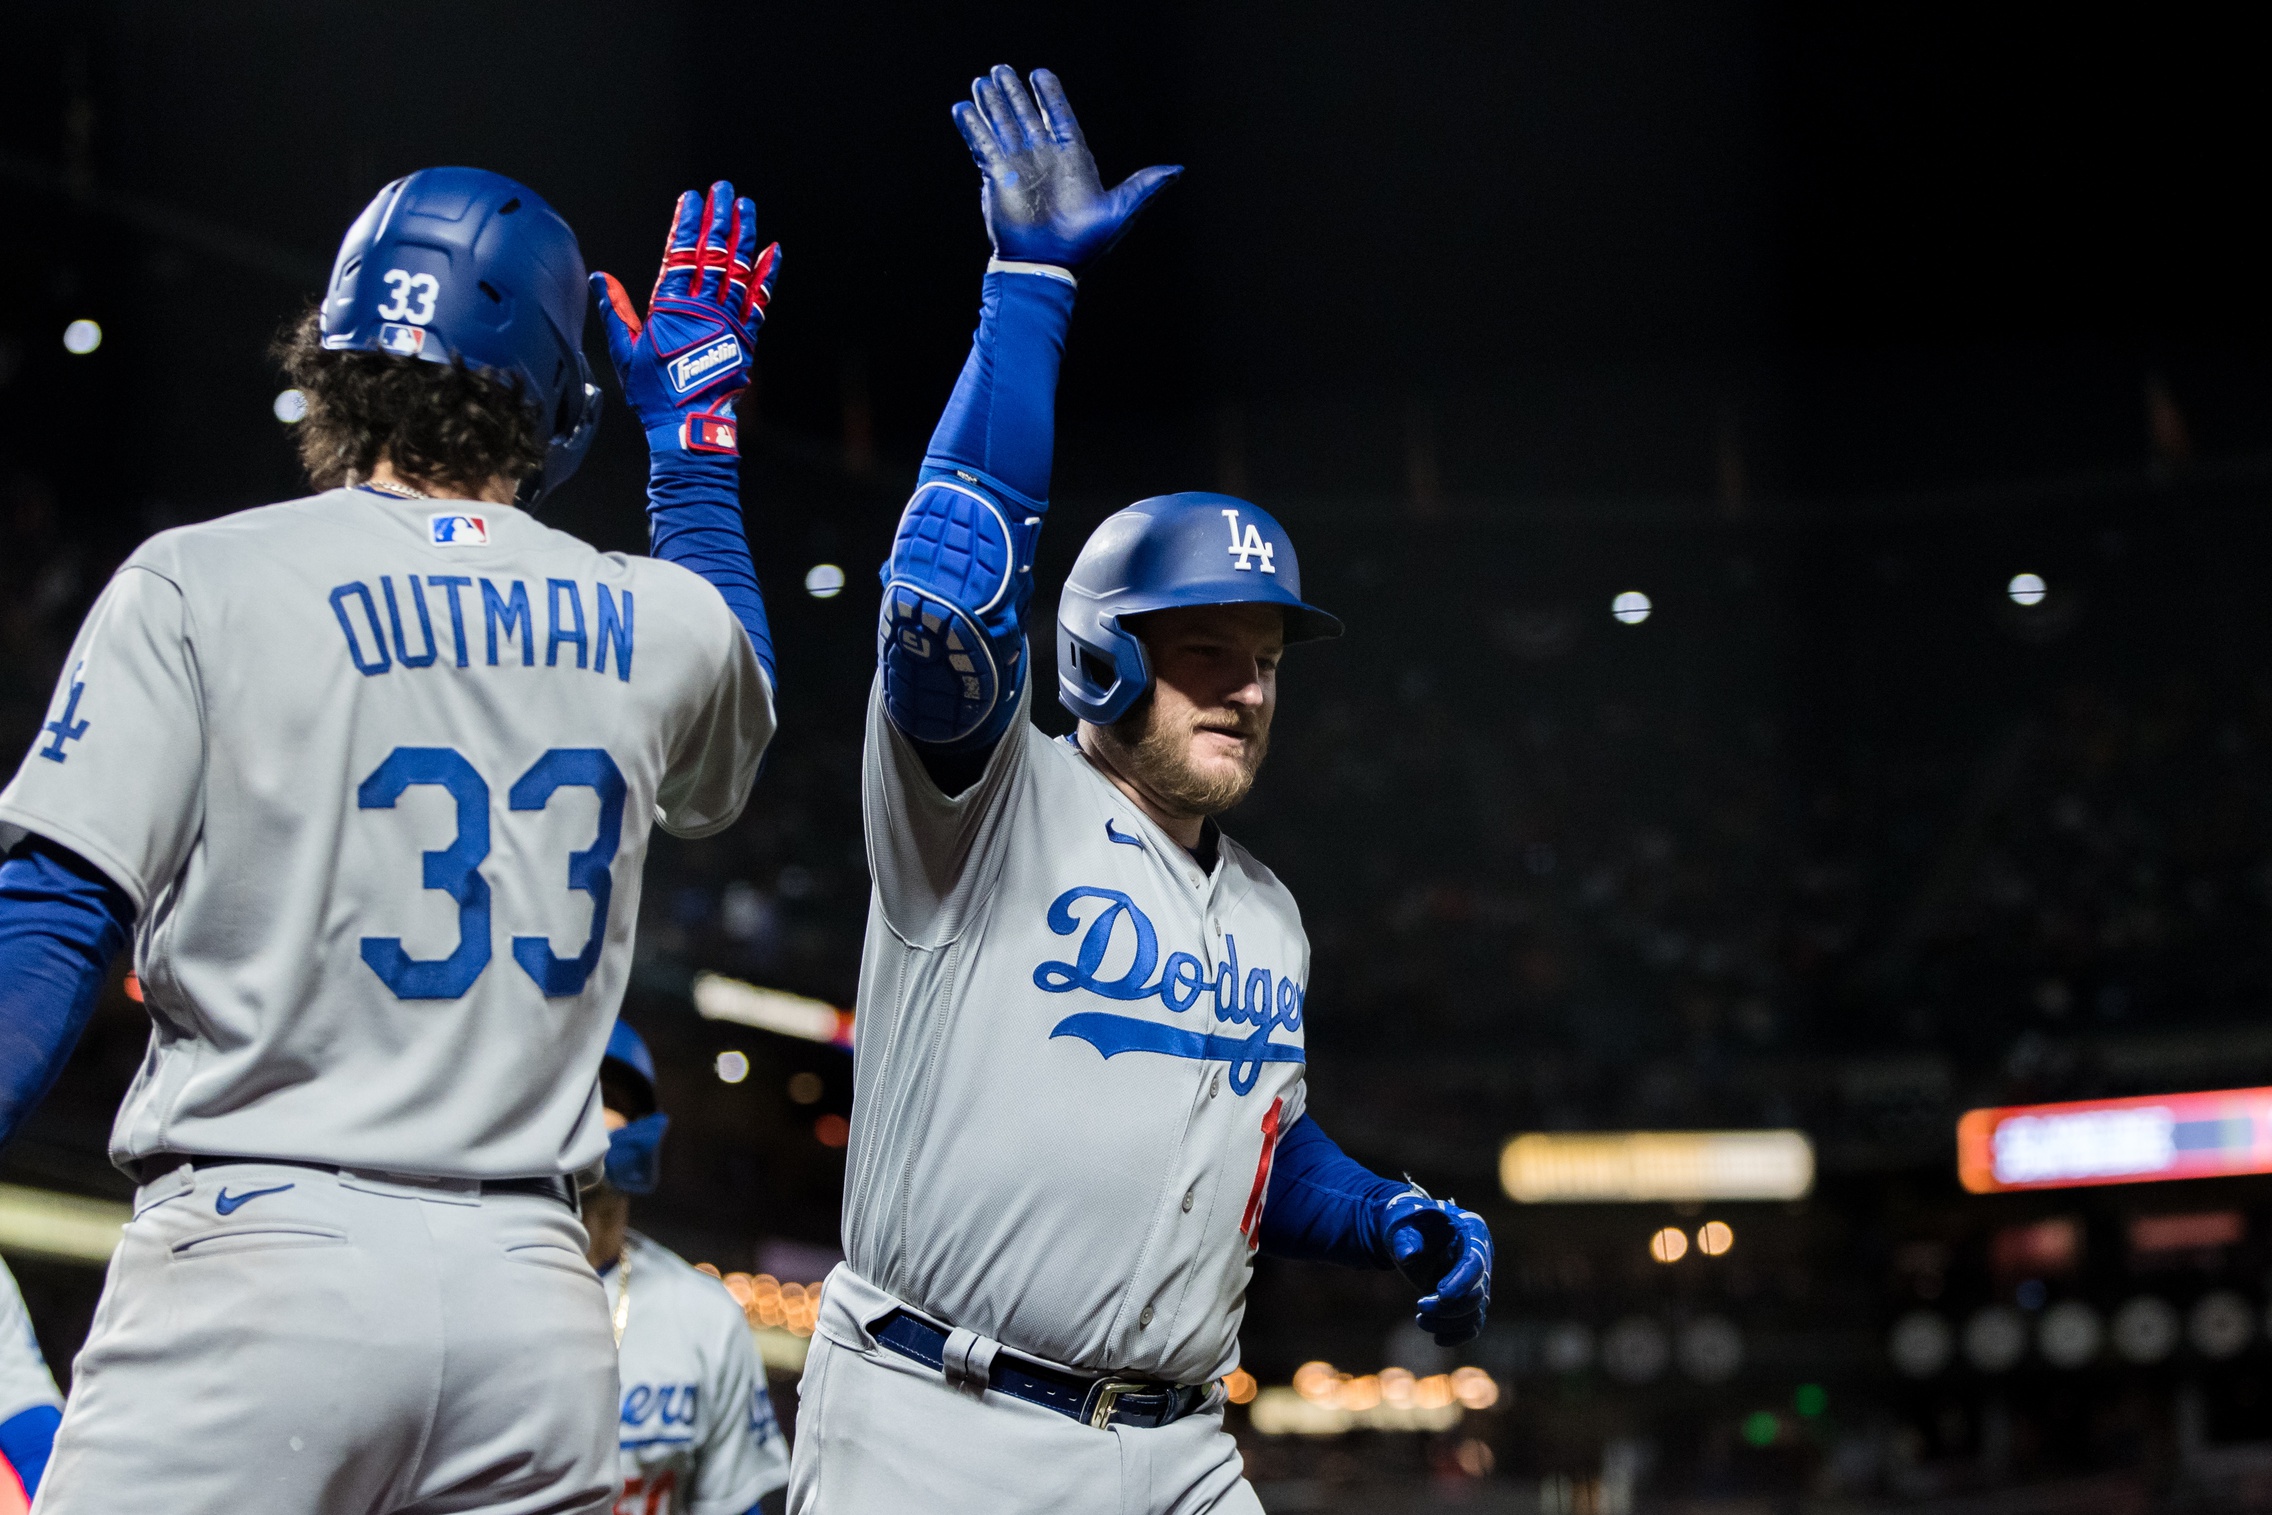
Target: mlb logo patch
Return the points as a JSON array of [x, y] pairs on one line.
[[403, 341], [457, 531]]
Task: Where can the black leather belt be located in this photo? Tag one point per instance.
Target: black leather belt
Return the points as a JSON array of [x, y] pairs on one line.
[[1099, 1402], [560, 1190]]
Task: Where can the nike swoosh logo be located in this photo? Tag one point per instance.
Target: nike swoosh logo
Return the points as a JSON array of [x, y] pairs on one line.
[[225, 1203], [1114, 836]]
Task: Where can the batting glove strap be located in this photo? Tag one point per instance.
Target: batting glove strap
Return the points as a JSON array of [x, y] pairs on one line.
[[1045, 270]]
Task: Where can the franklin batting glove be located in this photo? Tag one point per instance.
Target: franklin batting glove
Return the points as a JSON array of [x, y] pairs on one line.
[[1040, 191], [683, 368], [1445, 1252]]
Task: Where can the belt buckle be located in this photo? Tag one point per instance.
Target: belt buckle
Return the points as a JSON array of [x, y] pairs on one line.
[[1108, 1392]]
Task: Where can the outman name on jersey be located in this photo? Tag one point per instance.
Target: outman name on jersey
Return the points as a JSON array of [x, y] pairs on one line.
[[1077, 1051], [380, 792], [697, 1431]]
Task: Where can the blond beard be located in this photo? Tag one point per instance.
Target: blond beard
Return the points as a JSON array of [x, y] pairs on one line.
[[1157, 758]]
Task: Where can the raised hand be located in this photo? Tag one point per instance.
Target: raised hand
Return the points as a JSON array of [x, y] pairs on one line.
[[683, 368], [1445, 1252], [1039, 186]]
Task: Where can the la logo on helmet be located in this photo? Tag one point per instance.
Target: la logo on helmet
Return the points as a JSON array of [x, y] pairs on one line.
[[1245, 549]]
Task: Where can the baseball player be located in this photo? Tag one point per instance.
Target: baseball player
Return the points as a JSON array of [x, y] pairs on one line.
[[1082, 1019], [29, 1404], [369, 775], [696, 1427]]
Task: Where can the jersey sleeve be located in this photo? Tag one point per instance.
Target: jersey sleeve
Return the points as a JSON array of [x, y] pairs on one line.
[[117, 771], [935, 855], [25, 1382], [743, 1455], [715, 760]]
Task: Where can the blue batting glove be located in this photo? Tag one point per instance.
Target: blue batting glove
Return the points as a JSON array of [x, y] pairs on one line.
[[1039, 186], [1445, 1252], [683, 368]]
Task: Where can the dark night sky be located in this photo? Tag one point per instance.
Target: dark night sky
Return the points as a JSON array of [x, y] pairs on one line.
[[1584, 234]]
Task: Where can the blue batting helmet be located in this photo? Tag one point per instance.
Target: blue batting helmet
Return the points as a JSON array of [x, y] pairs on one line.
[[1170, 550], [629, 1048], [460, 263], [635, 1149]]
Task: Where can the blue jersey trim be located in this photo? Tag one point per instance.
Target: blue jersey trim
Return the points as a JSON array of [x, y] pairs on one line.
[[1114, 1034]]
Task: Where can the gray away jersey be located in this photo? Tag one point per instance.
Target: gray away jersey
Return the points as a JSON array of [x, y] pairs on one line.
[[379, 775], [1076, 1053], [696, 1430]]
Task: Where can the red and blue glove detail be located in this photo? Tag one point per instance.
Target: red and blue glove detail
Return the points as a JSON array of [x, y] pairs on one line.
[[683, 367]]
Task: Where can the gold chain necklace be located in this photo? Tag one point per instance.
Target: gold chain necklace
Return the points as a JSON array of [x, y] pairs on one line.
[[623, 1299]]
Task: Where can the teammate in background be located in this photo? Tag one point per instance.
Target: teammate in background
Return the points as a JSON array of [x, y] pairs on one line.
[[1081, 1005], [29, 1403], [697, 1428], [355, 769]]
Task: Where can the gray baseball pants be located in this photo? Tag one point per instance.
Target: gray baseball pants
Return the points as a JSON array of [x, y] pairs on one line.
[[880, 1434], [302, 1342]]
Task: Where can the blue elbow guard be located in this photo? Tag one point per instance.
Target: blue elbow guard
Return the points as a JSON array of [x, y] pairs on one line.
[[951, 635]]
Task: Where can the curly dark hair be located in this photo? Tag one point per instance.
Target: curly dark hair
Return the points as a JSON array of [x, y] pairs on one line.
[[443, 424]]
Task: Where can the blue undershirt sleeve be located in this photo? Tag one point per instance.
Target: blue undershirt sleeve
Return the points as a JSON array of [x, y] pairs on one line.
[[1323, 1206], [694, 519], [27, 1440], [1001, 421], [960, 577], [61, 922]]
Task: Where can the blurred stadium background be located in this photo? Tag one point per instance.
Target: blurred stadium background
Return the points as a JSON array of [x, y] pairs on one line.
[[1796, 480]]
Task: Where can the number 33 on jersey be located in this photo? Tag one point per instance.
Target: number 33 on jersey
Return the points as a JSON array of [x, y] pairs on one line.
[[380, 792]]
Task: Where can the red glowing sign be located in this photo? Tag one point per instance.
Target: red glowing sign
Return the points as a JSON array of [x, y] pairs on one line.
[[2115, 1141]]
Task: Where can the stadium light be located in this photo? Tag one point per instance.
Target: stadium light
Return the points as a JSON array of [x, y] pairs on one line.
[[719, 998], [68, 1227], [1628, 1167], [2085, 1143]]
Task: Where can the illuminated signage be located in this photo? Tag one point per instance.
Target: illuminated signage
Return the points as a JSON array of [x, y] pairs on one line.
[[719, 998], [2115, 1141], [1625, 1167]]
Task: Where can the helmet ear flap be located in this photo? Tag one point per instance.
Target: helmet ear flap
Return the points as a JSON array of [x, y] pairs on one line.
[[1099, 680], [580, 411]]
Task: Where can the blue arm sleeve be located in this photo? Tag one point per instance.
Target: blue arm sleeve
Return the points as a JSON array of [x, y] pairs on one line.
[[61, 922], [694, 519], [27, 1440], [1001, 421], [960, 575], [1323, 1206]]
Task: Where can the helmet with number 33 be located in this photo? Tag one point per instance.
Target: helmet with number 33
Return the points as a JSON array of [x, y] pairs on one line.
[[460, 263]]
